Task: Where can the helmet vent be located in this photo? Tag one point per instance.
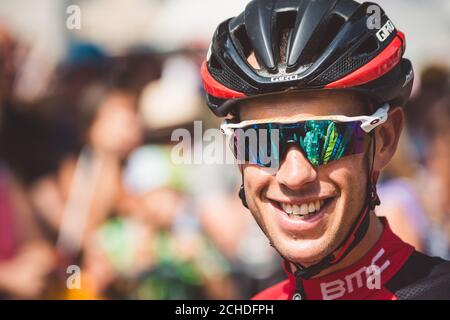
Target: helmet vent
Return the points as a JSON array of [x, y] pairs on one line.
[[285, 23], [369, 46], [322, 38], [245, 48], [251, 60], [242, 41]]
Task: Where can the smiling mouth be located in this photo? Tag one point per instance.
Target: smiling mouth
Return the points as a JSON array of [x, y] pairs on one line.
[[303, 211]]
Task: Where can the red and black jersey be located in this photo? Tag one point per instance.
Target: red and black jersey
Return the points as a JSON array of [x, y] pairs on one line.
[[391, 270]]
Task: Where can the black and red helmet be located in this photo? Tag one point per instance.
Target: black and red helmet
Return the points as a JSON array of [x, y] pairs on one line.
[[330, 44]]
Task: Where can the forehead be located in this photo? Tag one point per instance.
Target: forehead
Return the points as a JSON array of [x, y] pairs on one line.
[[302, 104]]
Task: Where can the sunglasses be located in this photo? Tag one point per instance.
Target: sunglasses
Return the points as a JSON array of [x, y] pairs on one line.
[[321, 139]]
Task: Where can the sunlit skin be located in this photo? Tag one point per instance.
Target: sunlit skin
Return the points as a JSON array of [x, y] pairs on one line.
[[341, 183], [116, 129]]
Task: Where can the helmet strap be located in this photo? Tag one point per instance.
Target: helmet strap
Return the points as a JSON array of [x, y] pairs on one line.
[[242, 190], [242, 194]]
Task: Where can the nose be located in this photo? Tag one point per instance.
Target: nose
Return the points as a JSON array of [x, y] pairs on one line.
[[295, 170]]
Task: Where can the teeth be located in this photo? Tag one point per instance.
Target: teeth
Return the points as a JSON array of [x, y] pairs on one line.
[[317, 205], [286, 208], [302, 210]]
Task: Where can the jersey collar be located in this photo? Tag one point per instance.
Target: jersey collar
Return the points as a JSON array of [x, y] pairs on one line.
[[364, 278]]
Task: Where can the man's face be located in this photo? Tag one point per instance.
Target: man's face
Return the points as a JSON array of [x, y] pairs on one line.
[[340, 186]]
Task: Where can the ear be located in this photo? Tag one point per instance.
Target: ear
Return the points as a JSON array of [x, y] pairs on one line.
[[387, 136]]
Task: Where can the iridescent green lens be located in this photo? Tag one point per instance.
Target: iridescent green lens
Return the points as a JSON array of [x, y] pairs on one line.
[[321, 141]]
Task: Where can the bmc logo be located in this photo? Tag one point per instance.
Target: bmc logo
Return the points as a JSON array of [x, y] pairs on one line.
[[385, 31], [285, 78], [370, 276]]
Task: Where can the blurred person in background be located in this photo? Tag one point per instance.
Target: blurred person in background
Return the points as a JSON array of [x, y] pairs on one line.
[[26, 259], [86, 188], [433, 83], [436, 178], [71, 184], [413, 189], [110, 129], [155, 248], [400, 196]]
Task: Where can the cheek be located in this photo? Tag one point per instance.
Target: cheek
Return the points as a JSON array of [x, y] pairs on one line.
[[349, 175], [256, 181]]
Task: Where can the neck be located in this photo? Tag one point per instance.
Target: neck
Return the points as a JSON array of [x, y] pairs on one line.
[[362, 248]]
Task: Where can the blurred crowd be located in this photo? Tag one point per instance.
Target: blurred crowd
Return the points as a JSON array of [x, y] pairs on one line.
[[415, 188], [86, 180]]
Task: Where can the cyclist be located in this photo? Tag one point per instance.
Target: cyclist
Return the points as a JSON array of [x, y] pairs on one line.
[[326, 81]]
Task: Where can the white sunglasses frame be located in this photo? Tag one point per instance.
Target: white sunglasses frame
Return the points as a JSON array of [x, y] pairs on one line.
[[368, 123]]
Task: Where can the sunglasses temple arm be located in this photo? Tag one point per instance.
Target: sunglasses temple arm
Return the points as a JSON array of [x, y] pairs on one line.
[[378, 118]]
